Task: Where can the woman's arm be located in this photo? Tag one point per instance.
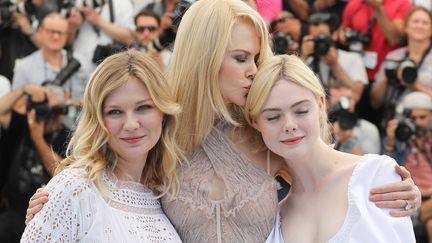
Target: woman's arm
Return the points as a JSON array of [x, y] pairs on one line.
[[395, 195]]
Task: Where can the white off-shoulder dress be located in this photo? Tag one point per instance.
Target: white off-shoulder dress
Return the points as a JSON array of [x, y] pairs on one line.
[[76, 212], [364, 222]]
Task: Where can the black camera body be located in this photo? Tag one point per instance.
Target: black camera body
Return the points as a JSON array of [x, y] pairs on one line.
[[408, 67], [44, 110], [323, 43], [340, 112], [406, 128], [9, 7], [356, 39], [281, 42]]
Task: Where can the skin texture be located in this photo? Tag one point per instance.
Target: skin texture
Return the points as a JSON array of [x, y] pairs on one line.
[[238, 67], [134, 125]]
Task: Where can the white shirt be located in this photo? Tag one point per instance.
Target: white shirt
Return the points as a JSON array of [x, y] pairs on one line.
[[364, 222], [76, 212]]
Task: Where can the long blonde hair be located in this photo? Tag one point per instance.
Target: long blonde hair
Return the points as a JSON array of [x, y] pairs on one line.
[[202, 40], [292, 69], [88, 147]]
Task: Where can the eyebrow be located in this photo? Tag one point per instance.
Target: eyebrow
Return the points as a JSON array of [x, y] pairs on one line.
[[292, 106], [137, 103]]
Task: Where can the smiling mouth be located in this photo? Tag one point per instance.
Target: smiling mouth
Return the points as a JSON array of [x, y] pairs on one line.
[[132, 140], [292, 141]]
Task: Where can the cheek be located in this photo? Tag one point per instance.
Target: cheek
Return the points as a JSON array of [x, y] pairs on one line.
[[112, 126]]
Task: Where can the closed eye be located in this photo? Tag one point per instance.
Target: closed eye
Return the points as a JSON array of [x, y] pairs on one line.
[[272, 118], [144, 107]]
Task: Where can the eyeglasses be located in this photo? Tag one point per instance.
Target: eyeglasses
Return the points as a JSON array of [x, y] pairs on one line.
[[282, 19], [141, 29], [52, 32], [318, 18]]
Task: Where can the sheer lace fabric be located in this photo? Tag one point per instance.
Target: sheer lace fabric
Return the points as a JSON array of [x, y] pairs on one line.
[[75, 212], [245, 214]]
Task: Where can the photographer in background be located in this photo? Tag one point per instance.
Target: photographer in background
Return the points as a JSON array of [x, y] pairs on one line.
[[43, 65], [147, 30], [409, 142], [381, 21], [100, 28], [288, 31], [318, 50], [408, 68], [352, 134], [33, 141]]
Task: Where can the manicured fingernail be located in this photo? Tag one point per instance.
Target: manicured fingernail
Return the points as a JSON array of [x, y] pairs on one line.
[[371, 197]]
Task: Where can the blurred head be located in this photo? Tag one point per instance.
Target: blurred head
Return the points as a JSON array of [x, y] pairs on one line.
[[127, 103], [286, 104], [418, 24], [52, 32], [337, 92], [321, 23], [217, 48], [147, 25], [288, 23], [420, 105]]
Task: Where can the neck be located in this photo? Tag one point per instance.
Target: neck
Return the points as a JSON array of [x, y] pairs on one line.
[[53, 58], [311, 171], [131, 170], [417, 48]]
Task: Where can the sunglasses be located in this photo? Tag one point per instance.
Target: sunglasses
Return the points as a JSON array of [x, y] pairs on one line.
[[281, 20], [141, 29]]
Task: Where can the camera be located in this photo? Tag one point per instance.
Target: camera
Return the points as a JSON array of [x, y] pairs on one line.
[[340, 112], [65, 73], [356, 39], [103, 51], [281, 42], [9, 7], [406, 128], [44, 110], [408, 68], [323, 43]]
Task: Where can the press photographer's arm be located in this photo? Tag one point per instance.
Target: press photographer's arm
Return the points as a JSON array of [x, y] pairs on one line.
[[16, 101]]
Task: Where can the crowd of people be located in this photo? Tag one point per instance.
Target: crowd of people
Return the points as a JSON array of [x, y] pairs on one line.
[[130, 112]]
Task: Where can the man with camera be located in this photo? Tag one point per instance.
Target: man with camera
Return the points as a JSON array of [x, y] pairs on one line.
[[99, 28], [45, 64], [352, 134], [381, 21], [409, 141], [318, 50], [32, 142], [147, 30]]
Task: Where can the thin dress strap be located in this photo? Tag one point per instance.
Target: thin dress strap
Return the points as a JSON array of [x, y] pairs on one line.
[[268, 162]]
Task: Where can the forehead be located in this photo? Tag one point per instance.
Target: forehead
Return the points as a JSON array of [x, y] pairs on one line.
[[54, 21], [244, 36], [132, 89], [146, 20], [287, 92]]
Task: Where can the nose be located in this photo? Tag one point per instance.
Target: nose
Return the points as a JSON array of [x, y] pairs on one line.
[[131, 123], [252, 71], [290, 126]]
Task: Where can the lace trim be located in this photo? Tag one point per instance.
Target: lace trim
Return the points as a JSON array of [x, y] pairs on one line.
[[131, 209], [209, 208]]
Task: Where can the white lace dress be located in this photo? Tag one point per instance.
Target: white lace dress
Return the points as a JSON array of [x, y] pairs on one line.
[[75, 212]]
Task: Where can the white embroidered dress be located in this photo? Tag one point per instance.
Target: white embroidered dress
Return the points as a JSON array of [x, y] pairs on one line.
[[76, 212]]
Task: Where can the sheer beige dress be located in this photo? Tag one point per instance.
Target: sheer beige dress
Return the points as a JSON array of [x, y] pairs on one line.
[[245, 214]]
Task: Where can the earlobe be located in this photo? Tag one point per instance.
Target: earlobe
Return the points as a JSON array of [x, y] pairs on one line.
[[255, 125], [321, 104]]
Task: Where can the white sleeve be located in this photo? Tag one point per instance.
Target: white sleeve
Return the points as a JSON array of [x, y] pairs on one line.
[[381, 227], [61, 218], [356, 69], [19, 78]]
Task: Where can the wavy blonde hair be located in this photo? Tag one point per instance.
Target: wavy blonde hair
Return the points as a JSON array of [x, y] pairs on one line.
[[202, 40], [292, 69], [89, 148]]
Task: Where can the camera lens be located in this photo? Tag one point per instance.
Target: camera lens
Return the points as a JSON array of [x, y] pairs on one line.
[[322, 44], [409, 71], [281, 41], [405, 130]]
